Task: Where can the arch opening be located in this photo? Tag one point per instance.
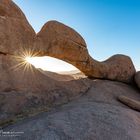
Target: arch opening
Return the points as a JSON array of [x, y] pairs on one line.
[[55, 68], [47, 63]]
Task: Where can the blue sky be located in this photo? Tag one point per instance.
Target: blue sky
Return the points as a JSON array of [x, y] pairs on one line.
[[108, 26]]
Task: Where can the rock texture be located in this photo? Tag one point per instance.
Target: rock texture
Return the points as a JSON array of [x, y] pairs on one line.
[[24, 102], [137, 79], [16, 34], [134, 104], [60, 41], [18, 39], [95, 115], [23, 87], [91, 112]]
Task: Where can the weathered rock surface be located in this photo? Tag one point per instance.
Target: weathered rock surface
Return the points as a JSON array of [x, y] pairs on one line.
[[95, 115], [134, 104], [94, 112], [23, 87], [137, 79], [60, 41], [16, 34], [18, 39], [14, 102]]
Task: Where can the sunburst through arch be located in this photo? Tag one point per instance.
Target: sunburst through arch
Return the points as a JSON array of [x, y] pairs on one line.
[[48, 63]]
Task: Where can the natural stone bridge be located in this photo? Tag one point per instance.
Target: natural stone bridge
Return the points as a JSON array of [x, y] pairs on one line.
[[56, 40]]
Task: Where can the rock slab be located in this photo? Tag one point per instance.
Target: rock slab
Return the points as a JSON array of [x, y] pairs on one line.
[[96, 115]]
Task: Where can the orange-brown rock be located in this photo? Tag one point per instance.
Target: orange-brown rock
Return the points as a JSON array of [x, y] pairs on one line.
[[55, 39], [60, 41], [16, 38], [23, 92], [16, 34], [16, 41]]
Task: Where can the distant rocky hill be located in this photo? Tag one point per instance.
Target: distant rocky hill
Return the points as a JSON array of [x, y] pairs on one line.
[[64, 76]]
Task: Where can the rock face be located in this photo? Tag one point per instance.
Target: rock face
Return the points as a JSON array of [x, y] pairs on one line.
[[58, 40], [14, 102], [16, 34], [137, 79], [95, 115], [18, 39], [92, 111]]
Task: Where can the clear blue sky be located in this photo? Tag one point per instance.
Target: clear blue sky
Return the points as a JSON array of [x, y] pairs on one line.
[[108, 26]]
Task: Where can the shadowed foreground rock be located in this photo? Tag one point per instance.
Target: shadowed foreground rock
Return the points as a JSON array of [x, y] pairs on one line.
[[134, 104], [96, 115]]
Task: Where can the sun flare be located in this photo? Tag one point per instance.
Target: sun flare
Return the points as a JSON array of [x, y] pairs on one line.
[[50, 64], [28, 59]]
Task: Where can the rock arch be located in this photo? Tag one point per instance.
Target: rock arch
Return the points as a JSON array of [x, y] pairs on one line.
[[60, 41], [56, 40]]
